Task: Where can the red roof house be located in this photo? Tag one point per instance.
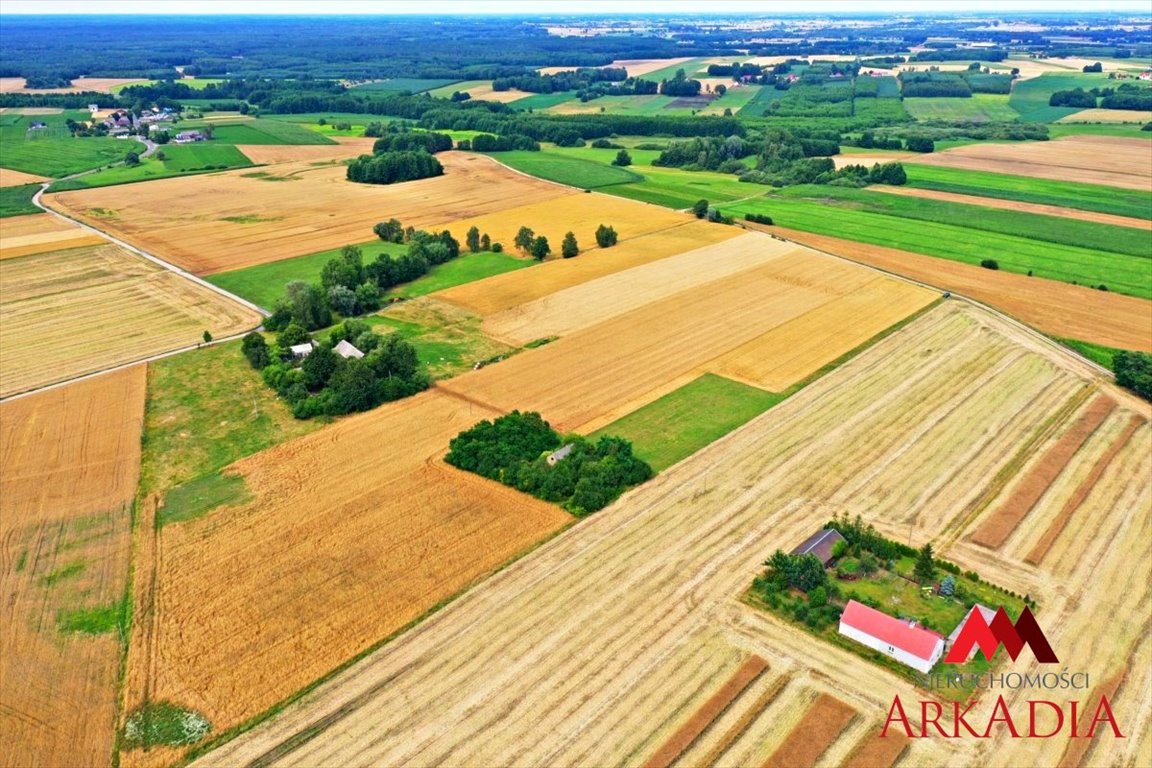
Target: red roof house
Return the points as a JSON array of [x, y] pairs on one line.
[[904, 641]]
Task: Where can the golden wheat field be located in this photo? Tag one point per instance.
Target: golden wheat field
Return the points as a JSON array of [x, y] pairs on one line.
[[29, 235], [1110, 160], [345, 148], [603, 643], [71, 457], [11, 178], [592, 377], [504, 292], [226, 221], [352, 532], [70, 312]]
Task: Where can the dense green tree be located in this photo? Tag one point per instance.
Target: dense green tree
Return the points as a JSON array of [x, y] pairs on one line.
[[485, 242], [342, 300], [319, 366], [623, 159], [569, 248], [700, 208], [293, 334], [524, 239], [256, 350], [367, 297], [473, 239], [391, 231], [605, 236], [540, 248], [1134, 371], [346, 270], [307, 304], [925, 569]]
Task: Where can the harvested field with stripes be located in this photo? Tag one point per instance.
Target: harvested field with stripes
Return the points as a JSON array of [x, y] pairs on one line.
[[224, 221], [1057, 309], [345, 148], [1110, 160], [809, 738], [509, 292], [912, 434], [586, 380], [65, 313], [41, 232], [71, 457], [352, 532]]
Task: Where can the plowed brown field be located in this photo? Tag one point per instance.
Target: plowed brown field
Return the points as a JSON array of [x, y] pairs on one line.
[[591, 649], [514, 289], [70, 460], [67, 313], [1110, 160], [353, 531], [292, 209], [588, 379], [1058, 309], [38, 233]]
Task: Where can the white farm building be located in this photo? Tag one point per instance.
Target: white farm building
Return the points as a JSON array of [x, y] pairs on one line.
[[904, 641]]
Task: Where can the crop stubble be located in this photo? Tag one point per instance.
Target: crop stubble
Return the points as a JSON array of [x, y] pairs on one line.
[[71, 312], [71, 457], [39, 233], [560, 672]]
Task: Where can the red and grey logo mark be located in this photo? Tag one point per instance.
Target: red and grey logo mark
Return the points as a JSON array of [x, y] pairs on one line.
[[989, 637]]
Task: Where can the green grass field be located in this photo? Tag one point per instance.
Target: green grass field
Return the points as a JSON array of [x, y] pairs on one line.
[[1030, 97], [1128, 130], [412, 84], [265, 131], [538, 101], [264, 283], [17, 201], [51, 151], [624, 105], [1097, 353], [200, 496], [1070, 194], [204, 410], [982, 107], [1121, 273], [568, 169], [684, 421], [1084, 234], [447, 344], [195, 83], [180, 160], [466, 268]]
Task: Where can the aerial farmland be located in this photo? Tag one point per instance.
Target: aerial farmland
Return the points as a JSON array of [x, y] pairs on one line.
[[764, 390]]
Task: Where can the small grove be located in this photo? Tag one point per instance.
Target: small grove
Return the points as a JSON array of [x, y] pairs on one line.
[[515, 449], [401, 156], [323, 383]]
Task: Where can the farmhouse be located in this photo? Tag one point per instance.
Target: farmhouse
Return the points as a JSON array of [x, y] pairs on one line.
[[187, 137], [559, 454], [301, 351], [988, 615], [909, 644], [346, 350], [820, 544]]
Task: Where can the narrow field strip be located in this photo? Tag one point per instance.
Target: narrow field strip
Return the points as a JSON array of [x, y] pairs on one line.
[[703, 718], [816, 731], [876, 752], [1056, 527], [998, 526], [740, 726]]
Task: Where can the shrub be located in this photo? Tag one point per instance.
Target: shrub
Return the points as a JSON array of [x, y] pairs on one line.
[[990, 264], [758, 218], [605, 236]]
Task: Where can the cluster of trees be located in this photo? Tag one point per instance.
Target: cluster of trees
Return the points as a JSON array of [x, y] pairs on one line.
[[680, 85], [412, 141], [574, 80], [804, 574], [1128, 96], [394, 167], [325, 383], [1134, 371], [1076, 97], [952, 54], [514, 450], [869, 140], [633, 86], [488, 143], [937, 84], [737, 71], [707, 154]]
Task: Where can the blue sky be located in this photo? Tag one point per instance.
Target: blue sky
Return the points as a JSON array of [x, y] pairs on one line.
[[314, 7]]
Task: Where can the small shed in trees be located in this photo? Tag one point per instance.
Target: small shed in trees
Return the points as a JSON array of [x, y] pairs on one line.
[[820, 544], [346, 350], [559, 454], [301, 351]]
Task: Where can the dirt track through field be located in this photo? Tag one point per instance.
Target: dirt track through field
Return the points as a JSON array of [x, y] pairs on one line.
[[1058, 309], [223, 221], [1016, 205], [591, 649], [70, 461], [1109, 160]]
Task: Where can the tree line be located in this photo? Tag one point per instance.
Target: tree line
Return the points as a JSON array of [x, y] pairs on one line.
[[515, 450]]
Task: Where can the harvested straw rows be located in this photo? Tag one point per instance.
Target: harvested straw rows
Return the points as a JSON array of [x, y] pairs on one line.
[[1058, 309], [353, 531], [1109, 160], [225, 221], [38, 233], [67, 313], [593, 377], [522, 671], [511, 291], [71, 458]]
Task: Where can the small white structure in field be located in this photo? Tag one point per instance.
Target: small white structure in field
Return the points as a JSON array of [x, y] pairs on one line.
[[559, 454], [988, 615], [904, 641], [301, 351], [346, 350]]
